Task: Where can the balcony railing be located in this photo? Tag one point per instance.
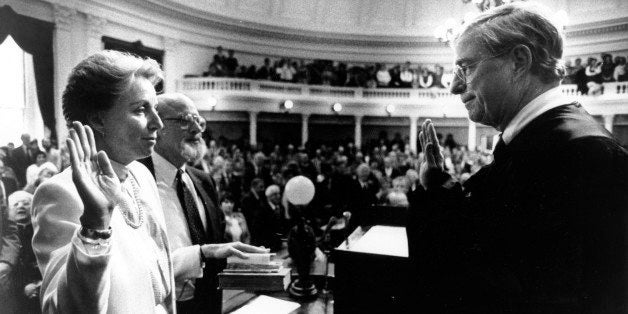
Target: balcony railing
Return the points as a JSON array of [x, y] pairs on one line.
[[238, 86]]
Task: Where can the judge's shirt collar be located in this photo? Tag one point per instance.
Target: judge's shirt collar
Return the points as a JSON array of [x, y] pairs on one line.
[[121, 170], [545, 102]]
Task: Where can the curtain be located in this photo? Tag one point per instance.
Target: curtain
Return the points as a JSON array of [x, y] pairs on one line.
[[34, 37], [33, 122]]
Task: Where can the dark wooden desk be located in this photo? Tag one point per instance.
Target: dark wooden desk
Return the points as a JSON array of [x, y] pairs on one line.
[[323, 304], [372, 276]]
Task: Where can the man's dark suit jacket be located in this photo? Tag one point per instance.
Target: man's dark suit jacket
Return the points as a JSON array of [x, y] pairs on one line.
[[543, 229], [261, 221], [250, 174], [206, 290], [359, 198], [20, 161]]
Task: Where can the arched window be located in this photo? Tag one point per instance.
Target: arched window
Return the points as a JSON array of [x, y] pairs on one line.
[[19, 106]]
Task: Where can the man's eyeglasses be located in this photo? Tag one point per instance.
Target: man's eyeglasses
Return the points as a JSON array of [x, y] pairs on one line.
[[462, 71], [186, 121]]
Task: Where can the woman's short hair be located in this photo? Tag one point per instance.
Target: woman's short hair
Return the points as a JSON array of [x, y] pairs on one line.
[[96, 82], [506, 26]]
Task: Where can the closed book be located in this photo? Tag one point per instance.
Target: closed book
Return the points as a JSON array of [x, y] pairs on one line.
[[253, 268], [259, 281]]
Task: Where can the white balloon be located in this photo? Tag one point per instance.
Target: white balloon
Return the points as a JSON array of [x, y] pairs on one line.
[[299, 190]]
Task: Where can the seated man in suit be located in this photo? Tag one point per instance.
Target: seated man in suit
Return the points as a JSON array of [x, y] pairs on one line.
[[544, 227], [254, 208], [195, 224], [21, 158], [362, 193]]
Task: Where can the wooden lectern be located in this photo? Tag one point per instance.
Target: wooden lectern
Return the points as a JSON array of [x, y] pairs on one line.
[[372, 273]]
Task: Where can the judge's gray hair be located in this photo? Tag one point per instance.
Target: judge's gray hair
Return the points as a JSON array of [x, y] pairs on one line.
[[521, 23]]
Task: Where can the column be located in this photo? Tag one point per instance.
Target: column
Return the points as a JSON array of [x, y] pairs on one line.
[[95, 30], [413, 133], [304, 128], [64, 60], [253, 128], [358, 132], [608, 122], [170, 64], [472, 136]]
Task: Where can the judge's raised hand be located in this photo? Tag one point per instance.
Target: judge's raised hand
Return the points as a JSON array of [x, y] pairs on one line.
[[431, 170], [92, 174], [224, 250]]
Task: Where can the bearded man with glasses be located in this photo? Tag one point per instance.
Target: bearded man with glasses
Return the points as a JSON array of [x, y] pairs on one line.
[[542, 229], [195, 223]]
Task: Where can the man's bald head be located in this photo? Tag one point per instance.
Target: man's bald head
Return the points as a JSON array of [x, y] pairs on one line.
[[180, 140], [174, 103]]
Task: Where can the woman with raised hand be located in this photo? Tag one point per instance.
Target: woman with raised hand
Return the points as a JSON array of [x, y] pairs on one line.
[[99, 230]]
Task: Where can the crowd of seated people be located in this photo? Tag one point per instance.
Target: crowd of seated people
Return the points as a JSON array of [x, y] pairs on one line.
[[590, 76], [251, 181], [22, 170], [327, 72]]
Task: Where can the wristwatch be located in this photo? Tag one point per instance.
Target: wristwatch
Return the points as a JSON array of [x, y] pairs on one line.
[[94, 234]]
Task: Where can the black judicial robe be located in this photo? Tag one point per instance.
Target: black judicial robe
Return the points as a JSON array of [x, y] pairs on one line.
[[542, 229]]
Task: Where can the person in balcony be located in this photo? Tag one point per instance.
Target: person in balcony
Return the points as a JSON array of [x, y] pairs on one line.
[[395, 80], [265, 71], [438, 76], [619, 73], [406, 76], [594, 79], [580, 77], [607, 68], [426, 79], [216, 68], [569, 73], [286, 71], [231, 64], [328, 76], [382, 75]]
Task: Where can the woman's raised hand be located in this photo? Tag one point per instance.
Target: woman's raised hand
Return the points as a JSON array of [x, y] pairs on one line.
[[93, 176]]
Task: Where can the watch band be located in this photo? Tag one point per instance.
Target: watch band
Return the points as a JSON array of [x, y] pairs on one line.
[[103, 234]]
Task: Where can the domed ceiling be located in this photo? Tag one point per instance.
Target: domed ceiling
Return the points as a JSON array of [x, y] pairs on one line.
[[387, 18]]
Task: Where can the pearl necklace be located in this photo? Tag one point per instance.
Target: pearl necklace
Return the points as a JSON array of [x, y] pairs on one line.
[[128, 216]]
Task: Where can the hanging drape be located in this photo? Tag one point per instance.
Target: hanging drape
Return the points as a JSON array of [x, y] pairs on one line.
[[35, 37]]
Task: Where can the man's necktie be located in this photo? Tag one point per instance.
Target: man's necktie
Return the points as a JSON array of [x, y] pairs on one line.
[[190, 210]]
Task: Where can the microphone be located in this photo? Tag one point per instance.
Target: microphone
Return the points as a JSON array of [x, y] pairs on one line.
[[331, 222], [347, 216]]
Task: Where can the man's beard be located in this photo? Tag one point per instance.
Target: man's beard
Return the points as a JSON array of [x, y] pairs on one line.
[[193, 152]]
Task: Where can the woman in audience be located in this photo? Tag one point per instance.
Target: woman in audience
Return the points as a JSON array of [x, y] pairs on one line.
[[99, 230], [41, 163], [236, 228], [43, 175]]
